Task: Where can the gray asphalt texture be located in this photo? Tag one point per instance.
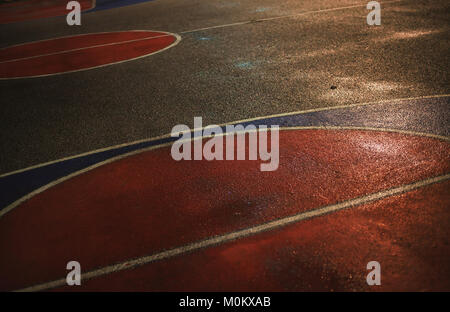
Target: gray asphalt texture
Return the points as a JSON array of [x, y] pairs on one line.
[[222, 74]]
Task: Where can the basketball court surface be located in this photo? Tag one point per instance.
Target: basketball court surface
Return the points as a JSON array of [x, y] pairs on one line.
[[86, 172]]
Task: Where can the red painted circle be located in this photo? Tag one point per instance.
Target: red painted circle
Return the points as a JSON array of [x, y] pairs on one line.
[[81, 52], [146, 203]]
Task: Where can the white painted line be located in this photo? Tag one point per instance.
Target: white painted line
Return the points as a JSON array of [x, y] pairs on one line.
[[407, 132], [84, 48], [60, 180], [313, 110], [113, 159], [285, 16], [177, 40], [224, 124], [242, 233], [78, 35]]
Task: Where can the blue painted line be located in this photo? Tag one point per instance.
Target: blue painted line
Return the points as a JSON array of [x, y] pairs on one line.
[[112, 4], [422, 115], [18, 185]]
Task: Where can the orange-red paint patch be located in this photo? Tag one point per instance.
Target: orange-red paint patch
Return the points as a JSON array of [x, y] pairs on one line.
[[407, 234], [79, 52], [148, 202]]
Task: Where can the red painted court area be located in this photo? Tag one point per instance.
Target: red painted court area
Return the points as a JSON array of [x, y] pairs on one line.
[[34, 9], [147, 203], [316, 255], [81, 52]]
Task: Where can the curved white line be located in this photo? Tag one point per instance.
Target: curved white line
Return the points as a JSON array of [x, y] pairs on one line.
[[80, 49], [212, 241], [113, 159], [76, 35], [223, 124], [177, 40]]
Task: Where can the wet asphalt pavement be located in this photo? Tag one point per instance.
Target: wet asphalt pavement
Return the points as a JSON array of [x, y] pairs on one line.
[[251, 69]]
